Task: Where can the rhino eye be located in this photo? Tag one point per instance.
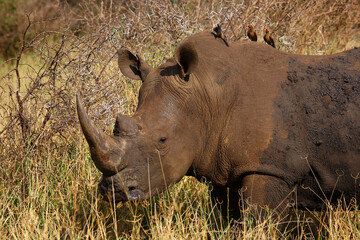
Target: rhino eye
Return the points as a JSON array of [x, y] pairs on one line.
[[163, 140]]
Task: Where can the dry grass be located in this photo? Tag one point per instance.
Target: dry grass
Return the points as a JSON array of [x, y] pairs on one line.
[[48, 184]]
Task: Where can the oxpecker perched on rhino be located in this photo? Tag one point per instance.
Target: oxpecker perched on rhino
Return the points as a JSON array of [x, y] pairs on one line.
[[270, 126]]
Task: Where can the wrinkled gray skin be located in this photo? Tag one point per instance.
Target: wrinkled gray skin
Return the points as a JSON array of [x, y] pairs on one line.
[[270, 126]]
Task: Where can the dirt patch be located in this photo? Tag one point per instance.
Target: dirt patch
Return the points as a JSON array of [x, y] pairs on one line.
[[319, 107]]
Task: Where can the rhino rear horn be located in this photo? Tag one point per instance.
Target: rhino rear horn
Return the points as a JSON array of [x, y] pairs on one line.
[[125, 126], [106, 152]]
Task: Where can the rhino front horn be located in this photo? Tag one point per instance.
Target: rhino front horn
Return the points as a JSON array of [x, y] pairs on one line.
[[106, 152]]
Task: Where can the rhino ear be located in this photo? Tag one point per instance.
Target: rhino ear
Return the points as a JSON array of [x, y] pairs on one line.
[[132, 66], [187, 59]]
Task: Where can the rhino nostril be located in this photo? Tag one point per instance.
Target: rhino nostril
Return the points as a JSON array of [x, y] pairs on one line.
[[135, 194]]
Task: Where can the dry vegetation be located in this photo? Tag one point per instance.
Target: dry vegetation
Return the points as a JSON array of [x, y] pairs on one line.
[[48, 184]]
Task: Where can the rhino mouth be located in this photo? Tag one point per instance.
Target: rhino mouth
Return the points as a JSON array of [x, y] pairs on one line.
[[111, 191]]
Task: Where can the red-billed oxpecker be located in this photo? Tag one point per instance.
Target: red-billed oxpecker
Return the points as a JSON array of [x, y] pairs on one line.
[[251, 33], [268, 39], [218, 34]]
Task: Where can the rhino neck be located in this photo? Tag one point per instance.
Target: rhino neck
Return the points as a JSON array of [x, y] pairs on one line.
[[215, 105], [236, 106]]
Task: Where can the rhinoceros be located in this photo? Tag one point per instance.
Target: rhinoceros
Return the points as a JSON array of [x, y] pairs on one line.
[[262, 125]]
